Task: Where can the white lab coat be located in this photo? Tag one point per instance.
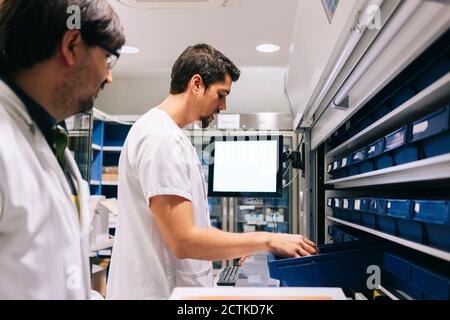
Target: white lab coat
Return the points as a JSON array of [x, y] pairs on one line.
[[43, 239], [157, 159]]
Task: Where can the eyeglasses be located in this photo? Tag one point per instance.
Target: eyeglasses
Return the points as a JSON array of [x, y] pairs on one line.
[[112, 59]]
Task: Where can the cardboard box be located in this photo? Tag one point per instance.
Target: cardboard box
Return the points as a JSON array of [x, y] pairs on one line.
[[99, 275]]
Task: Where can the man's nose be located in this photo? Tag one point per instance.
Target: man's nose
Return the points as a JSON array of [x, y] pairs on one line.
[[223, 107]]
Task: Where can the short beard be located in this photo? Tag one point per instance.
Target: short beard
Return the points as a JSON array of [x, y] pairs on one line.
[[205, 123], [71, 96]]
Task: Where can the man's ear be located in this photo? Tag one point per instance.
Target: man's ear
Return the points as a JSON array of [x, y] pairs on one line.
[[71, 47], [197, 83]]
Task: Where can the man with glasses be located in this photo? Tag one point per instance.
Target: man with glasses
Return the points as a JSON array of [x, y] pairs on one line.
[[47, 73]]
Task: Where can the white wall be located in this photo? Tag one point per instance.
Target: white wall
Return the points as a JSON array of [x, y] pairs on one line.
[[258, 90]]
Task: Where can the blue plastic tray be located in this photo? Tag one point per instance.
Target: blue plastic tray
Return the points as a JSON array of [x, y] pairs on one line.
[[361, 204], [431, 125], [432, 211], [431, 283], [359, 155], [399, 208], [338, 265], [434, 133], [378, 206], [396, 139], [375, 148]]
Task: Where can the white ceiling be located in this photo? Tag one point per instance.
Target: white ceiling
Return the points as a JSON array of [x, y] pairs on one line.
[[142, 80], [162, 34]]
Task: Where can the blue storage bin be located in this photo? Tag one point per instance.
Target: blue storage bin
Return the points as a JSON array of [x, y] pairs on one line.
[[431, 125], [408, 289], [399, 208], [330, 168], [432, 211], [381, 111], [397, 266], [433, 284], [353, 170], [387, 224], [400, 269], [430, 283], [368, 219], [359, 155], [384, 161], [405, 154], [330, 202], [366, 166], [336, 234], [361, 204], [338, 265], [378, 206], [346, 161], [435, 216], [434, 132], [396, 139], [341, 173], [375, 149], [434, 72], [401, 97]]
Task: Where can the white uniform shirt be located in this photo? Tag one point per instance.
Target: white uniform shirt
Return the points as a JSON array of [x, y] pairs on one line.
[[157, 159], [43, 239]]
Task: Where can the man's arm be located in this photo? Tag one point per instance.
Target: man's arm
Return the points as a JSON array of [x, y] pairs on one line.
[[175, 219]]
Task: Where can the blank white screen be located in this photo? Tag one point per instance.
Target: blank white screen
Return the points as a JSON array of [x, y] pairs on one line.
[[245, 166]]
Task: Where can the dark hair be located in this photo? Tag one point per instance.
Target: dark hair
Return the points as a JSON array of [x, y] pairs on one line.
[[204, 60], [30, 31]]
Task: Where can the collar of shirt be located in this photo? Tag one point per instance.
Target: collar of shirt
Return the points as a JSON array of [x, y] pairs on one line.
[[40, 116]]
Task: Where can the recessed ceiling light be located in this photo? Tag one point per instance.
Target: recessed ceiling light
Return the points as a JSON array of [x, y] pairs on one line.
[[129, 50], [268, 48]]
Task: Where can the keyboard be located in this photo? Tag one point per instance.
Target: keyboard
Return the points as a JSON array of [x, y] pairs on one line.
[[228, 276]]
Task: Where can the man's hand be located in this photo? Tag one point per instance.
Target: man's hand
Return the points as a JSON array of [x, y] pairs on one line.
[[291, 246]]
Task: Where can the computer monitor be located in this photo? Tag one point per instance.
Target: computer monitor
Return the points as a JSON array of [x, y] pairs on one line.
[[246, 167]]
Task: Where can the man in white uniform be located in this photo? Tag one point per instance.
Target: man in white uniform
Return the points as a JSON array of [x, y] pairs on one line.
[[163, 237], [47, 73]]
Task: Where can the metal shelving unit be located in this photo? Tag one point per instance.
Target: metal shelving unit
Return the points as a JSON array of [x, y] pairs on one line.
[[410, 244], [436, 168]]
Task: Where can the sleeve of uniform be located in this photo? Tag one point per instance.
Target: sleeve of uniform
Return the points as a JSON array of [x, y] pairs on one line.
[[161, 167]]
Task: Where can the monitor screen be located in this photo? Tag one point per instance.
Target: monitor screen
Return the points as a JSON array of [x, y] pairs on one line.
[[246, 168]]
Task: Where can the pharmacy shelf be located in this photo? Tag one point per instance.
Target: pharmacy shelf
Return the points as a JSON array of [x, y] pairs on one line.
[[113, 149], [103, 244], [436, 168], [96, 147], [420, 105], [413, 245]]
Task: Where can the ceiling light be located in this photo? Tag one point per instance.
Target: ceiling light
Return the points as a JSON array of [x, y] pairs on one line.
[[268, 48], [129, 50]]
